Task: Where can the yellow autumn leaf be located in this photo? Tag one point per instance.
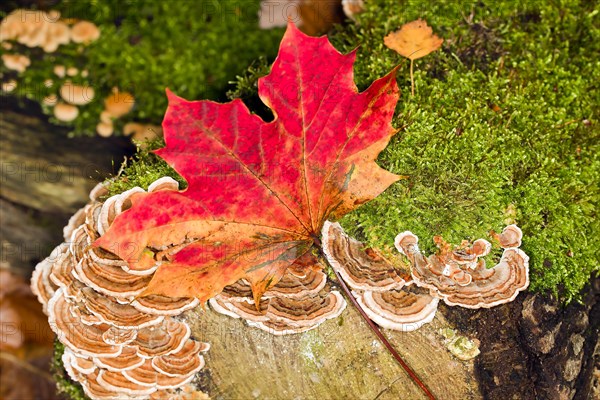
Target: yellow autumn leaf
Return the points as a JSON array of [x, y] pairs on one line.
[[414, 40]]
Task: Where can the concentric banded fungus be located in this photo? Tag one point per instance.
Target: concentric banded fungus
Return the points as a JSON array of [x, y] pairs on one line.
[[376, 283], [300, 301], [80, 338], [183, 362], [117, 346], [128, 359], [510, 237], [402, 310], [361, 269], [167, 338], [460, 278]]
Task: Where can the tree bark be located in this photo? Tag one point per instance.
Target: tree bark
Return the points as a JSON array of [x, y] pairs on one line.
[[45, 177]]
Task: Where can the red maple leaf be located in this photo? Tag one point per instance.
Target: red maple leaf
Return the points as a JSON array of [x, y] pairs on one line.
[[258, 193]]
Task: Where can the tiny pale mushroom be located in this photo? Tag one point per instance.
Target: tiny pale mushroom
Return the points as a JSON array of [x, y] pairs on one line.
[[118, 103], [72, 71], [77, 94], [84, 32], [10, 86], [142, 132], [105, 129], [50, 100], [60, 71], [65, 112]]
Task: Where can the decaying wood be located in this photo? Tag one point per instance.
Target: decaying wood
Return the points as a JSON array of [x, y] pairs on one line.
[[341, 359], [44, 170], [44, 178]]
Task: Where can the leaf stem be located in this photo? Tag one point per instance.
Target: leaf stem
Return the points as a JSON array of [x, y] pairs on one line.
[[413, 376], [412, 79]]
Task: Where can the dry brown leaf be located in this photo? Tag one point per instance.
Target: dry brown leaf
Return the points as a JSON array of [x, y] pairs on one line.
[[414, 40], [25, 342]]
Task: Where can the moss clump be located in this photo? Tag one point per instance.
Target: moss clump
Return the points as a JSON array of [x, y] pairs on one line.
[[143, 169], [503, 128], [192, 47], [64, 384]]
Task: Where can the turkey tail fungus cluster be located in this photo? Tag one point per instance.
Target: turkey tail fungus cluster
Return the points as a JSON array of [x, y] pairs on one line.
[[242, 235], [460, 277], [118, 342], [299, 302], [377, 285]]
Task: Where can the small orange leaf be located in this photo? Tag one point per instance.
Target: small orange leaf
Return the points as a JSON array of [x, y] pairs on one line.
[[414, 40]]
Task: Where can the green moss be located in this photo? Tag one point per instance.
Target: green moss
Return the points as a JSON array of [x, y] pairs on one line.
[[503, 128], [504, 123], [64, 384], [192, 47], [143, 169]]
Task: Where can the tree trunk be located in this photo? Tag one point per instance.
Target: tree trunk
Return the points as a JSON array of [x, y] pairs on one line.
[[341, 359]]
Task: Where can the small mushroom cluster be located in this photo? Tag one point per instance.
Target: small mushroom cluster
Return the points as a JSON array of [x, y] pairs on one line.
[[378, 286], [45, 29], [36, 29], [40, 29], [116, 105], [299, 302], [73, 96], [118, 342], [460, 277]]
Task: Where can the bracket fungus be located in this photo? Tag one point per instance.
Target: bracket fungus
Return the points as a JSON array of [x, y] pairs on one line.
[[118, 343], [376, 283], [459, 275], [299, 302]]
